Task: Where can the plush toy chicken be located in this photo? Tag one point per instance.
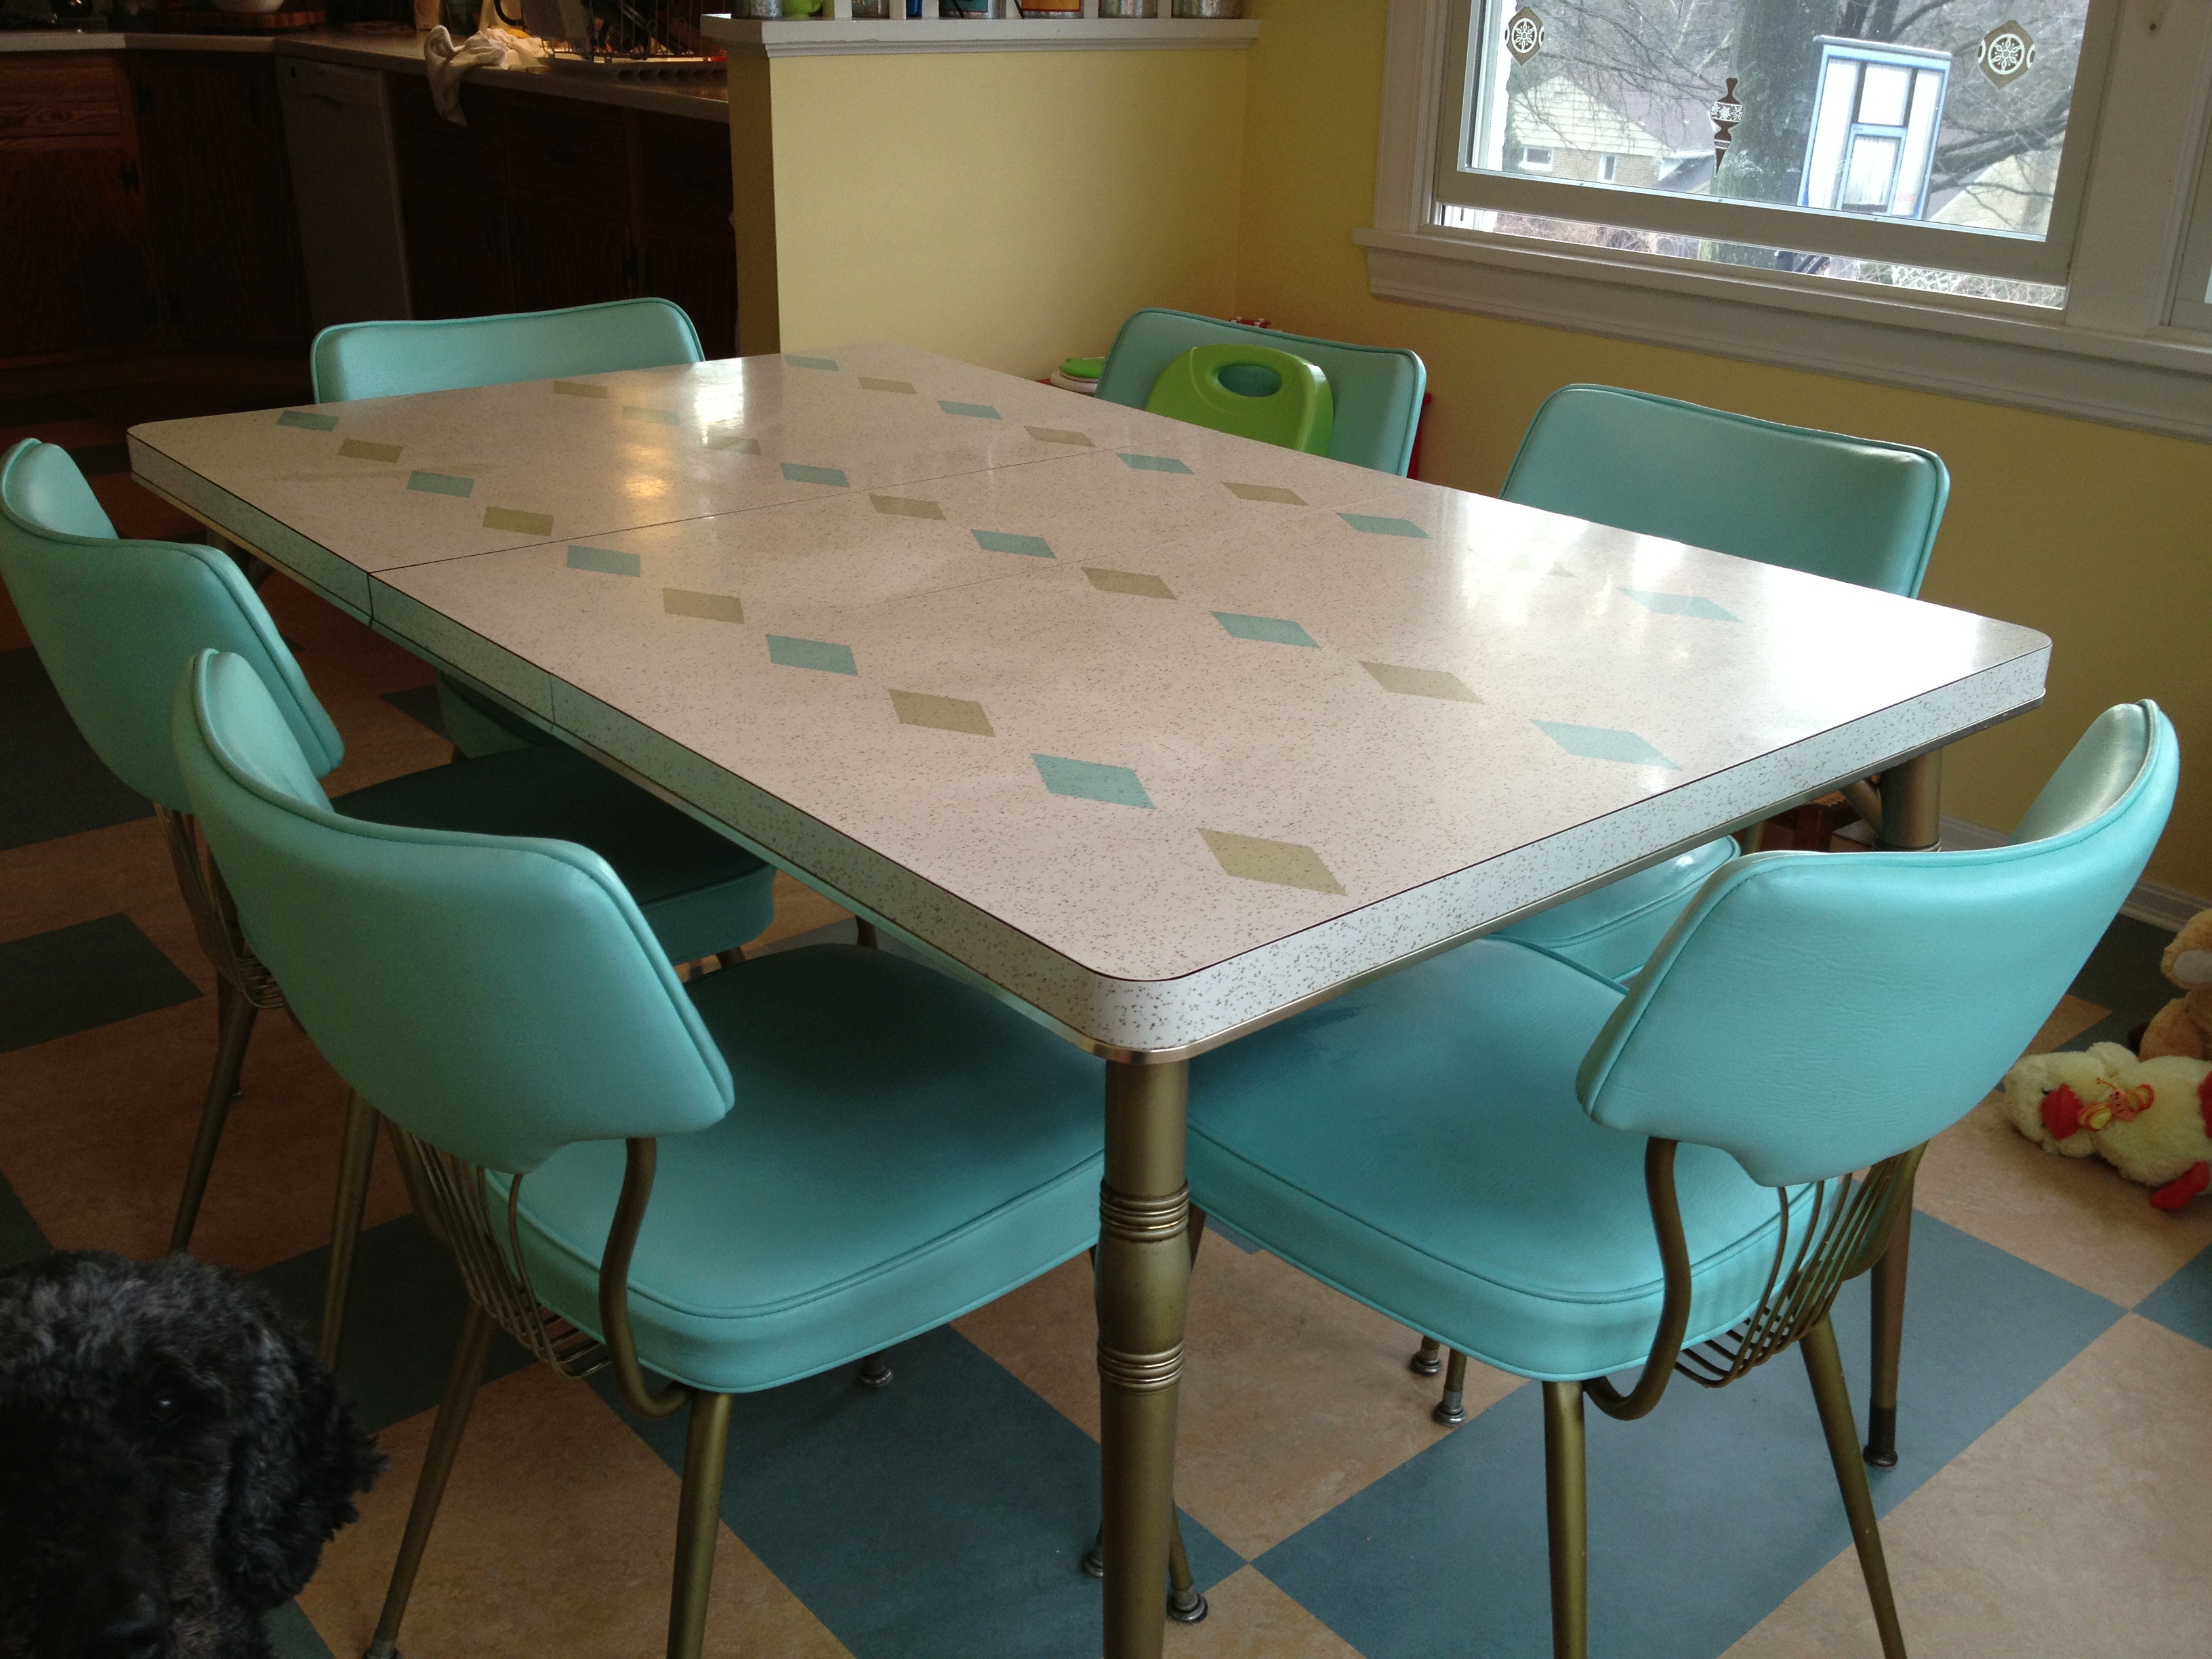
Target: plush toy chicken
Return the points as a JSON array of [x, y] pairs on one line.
[[2183, 1026], [2150, 1119]]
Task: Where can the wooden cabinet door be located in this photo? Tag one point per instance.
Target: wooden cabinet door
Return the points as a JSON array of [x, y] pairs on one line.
[[687, 250], [225, 241], [565, 257], [452, 198], [72, 231]]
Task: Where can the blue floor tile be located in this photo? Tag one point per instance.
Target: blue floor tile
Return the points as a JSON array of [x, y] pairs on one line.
[[942, 1516], [403, 1319], [2122, 974], [291, 1635], [82, 976], [1705, 1516], [56, 785], [2184, 1303]]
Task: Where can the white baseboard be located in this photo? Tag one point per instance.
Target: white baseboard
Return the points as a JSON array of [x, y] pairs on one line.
[[2159, 906]]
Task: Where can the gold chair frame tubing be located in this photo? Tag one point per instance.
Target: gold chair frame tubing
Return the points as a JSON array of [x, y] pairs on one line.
[[453, 1198], [1846, 1227], [215, 914]]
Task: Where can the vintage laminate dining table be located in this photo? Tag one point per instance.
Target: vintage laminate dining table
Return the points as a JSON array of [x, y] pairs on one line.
[[1158, 734]]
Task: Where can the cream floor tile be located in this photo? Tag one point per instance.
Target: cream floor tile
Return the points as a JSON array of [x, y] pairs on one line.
[[557, 1536], [2077, 1526], [2073, 1216], [799, 909], [1252, 1618], [1294, 1397]]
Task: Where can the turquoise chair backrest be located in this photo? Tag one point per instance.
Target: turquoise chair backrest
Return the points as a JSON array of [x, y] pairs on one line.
[[1812, 1012], [499, 998], [1845, 507], [114, 620], [386, 359], [1253, 391], [1377, 392]]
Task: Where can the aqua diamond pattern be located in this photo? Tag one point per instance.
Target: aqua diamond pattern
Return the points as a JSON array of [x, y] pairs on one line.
[[978, 412], [821, 655], [1117, 785], [1605, 743], [1679, 604], [821, 475], [441, 483], [1275, 630], [1006, 541], [1367, 524], [1151, 463], [606, 560], [811, 362]]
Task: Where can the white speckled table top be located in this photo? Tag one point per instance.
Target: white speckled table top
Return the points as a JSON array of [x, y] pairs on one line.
[[1156, 730]]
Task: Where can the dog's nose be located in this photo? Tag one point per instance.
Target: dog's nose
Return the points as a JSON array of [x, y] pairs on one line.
[[136, 1629]]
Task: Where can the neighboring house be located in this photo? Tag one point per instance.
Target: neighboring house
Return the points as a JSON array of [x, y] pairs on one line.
[[1560, 131], [2014, 194]]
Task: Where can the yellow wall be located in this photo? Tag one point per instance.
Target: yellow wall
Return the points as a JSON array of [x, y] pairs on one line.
[[1005, 208], [2097, 535]]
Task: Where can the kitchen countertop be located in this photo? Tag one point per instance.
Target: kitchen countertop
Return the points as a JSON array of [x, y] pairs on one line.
[[705, 98]]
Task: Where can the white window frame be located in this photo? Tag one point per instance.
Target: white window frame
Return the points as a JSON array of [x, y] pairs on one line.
[[2130, 348]]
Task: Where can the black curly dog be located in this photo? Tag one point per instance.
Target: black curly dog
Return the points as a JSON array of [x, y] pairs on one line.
[[172, 1460]]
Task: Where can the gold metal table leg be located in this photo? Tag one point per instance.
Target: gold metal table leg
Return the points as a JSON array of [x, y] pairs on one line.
[[1143, 1287], [1911, 821]]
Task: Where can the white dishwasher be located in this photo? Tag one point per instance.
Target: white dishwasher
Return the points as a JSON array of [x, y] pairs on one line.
[[352, 240]]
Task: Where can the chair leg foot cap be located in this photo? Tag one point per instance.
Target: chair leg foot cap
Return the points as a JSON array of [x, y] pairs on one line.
[[876, 1374], [1881, 1457], [1093, 1563], [1425, 1364], [1186, 1608], [1450, 1413]]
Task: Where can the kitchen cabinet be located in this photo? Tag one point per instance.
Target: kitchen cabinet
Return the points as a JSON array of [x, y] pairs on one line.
[[73, 259], [221, 232]]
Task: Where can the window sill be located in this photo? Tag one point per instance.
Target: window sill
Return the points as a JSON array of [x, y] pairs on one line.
[[1990, 353]]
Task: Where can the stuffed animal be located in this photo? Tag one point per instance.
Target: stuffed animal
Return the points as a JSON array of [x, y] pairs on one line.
[[2183, 1026], [2151, 1119]]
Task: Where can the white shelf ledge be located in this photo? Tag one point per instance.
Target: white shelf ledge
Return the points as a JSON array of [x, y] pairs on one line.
[[828, 37]]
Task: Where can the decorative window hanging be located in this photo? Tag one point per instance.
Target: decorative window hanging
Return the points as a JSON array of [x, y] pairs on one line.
[[1725, 113], [2006, 51], [1525, 34]]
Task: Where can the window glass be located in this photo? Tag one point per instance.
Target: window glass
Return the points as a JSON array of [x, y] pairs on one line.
[[1941, 111]]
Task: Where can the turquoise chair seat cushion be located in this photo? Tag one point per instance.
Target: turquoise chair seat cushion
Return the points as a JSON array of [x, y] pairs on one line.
[[1422, 1134], [700, 892], [1613, 930], [901, 1150]]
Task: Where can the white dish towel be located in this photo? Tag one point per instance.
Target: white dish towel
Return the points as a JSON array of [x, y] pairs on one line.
[[486, 49]]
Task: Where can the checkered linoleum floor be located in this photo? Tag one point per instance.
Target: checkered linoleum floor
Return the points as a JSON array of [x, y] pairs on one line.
[[2050, 1498]]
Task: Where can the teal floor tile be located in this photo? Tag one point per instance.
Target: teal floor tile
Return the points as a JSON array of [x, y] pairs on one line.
[[21, 1237], [2184, 1303], [1703, 1517], [291, 1635], [56, 785], [80, 978], [2122, 974], [942, 1516]]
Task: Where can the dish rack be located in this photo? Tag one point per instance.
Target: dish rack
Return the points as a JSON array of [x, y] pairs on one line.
[[649, 38]]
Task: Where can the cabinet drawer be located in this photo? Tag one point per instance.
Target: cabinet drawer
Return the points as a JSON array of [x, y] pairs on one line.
[[684, 176], [566, 154], [45, 98]]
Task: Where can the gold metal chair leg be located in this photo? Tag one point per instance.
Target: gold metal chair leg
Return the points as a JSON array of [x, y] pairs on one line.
[[1451, 1409], [706, 1452], [1567, 1508], [730, 957], [1825, 1368], [864, 933], [234, 1017], [1887, 1326], [1144, 1288], [1428, 1359], [1186, 1606], [354, 1162], [875, 1372], [461, 1384]]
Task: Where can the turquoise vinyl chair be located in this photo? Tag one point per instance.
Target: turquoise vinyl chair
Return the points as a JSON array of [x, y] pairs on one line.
[[1567, 1181], [389, 359], [733, 1184], [1375, 393], [114, 622], [1849, 508]]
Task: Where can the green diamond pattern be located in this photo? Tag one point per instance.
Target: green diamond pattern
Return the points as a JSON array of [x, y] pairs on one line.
[[725, 434], [1605, 743], [708, 607], [1117, 785], [906, 506], [308, 419], [1421, 682], [1127, 581], [441, 483], [977, 411], [1006, 541], [1266, 493], [517, 520], [1152, 463], [1367, 524], [1679, 604], [359, 449], [1275, 630], [1283, 863], [818, 654], [606, 561], [945, 714], [821, 475], [578, 389], [658, 416], [1055, 435]]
